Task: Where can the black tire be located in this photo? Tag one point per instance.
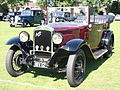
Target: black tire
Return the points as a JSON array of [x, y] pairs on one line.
[[31, 24], [109, 48], [60, 19], [24, 23], [11, 61], [76, 68], [11, 25], [57, 19]]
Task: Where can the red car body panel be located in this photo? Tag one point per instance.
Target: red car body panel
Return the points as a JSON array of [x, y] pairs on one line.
[[70, 32]]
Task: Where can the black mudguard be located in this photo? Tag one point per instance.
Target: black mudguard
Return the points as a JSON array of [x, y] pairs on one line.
[[15, 41], [105, 38], [61, 56], [23, 46], [73, 45]]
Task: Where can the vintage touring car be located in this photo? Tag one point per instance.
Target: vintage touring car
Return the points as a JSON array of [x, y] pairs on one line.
[[62, 45]]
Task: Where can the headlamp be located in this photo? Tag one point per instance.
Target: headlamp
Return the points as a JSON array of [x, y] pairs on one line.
[[24, 36], [57, 38]]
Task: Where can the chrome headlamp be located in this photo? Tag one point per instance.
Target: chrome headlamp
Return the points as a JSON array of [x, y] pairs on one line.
[[24, 36], [57, 38]]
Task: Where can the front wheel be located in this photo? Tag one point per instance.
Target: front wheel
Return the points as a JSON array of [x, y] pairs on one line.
[[76, 68], [14, 61], [11, 25]]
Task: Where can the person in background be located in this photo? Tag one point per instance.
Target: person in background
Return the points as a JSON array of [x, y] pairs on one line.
[[100, 13]]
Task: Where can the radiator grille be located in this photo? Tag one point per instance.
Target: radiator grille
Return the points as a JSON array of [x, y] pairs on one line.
[[42, 40]]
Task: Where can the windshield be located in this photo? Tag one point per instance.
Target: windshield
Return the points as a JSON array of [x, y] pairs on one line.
[[77, 15], [11, 13], [27, 12]]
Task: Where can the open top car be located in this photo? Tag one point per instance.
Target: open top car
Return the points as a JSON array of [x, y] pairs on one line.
[[64, 45], [30, 17]]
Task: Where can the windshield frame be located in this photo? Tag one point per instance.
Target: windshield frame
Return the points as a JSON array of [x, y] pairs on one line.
[[80, 19]]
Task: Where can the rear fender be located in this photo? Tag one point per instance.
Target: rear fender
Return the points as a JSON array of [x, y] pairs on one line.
[[105, 38]]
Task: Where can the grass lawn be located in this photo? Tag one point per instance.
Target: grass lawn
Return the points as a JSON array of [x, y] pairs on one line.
[[100, 75]]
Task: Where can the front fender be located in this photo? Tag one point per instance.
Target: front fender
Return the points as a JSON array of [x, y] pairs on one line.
[[62, 54], [14, 41], [23, 46], [73, 45]]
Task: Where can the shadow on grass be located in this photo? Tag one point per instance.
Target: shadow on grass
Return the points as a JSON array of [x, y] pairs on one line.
[[45, 72], [90, 66]]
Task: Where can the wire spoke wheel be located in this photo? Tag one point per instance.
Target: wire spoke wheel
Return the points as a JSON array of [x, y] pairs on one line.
[[17, 60], [14, 62], [79, 69]]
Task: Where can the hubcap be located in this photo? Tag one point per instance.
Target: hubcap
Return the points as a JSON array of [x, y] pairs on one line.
[[17, 61], [79, 68]]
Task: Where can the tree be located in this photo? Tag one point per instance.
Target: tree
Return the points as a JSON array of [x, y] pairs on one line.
[[13, 3], [97, 3], [4, 8], [115, 7], [65, 2], [92, 3], [42, 3], [45, 3]]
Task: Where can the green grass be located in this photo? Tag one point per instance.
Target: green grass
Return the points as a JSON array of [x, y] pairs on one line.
[[100, 74]]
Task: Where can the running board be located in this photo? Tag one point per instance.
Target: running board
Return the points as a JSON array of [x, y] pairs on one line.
[[98, 53]]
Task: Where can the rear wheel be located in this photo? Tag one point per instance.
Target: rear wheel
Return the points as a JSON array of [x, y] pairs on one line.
[[24, 23], [109, 48], [31, 24], [14, 61], [76, 68]]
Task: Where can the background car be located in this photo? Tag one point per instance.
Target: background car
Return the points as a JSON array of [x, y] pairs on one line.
[[1, 16], [11, 17], [30, 17], [117, 17]]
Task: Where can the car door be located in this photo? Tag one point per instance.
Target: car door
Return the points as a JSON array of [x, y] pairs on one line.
[[37, 17], [94, 35]]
